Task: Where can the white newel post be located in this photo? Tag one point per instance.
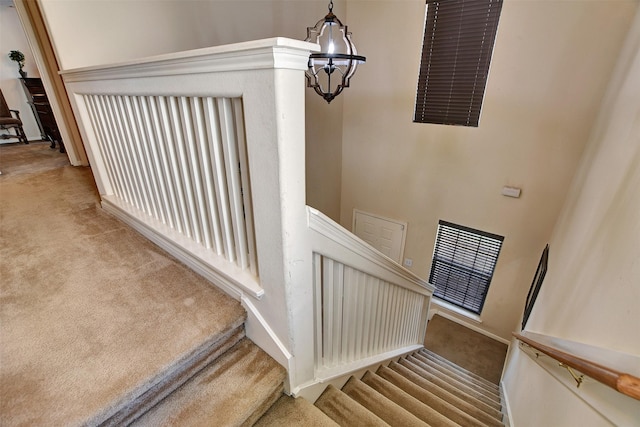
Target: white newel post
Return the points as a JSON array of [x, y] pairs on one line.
[[282, 238]]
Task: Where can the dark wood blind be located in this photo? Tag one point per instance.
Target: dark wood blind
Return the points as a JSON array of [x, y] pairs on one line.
[[456, 53], [463, 264]]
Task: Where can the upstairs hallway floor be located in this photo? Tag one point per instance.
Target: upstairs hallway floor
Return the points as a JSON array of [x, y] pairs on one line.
[[90, 311]]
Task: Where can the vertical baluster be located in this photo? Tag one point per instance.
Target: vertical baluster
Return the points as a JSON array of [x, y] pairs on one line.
[[359, 311], [159, 117], [417, 305], [117, 138], [418, 319], [190, 167], [234, 183], [339, 306], [351, 301], [375, 321], [172, 128], [403, 323], [399, 306], [222, 193], [319, 305], [97, 121], [391, 316], [328, 311], [134, 124], [141, 132], [382, 308], [123, 114], [238, 114], [411, 328], [212, 163], [156, 169], [181, 127], [367, 307], [200, 160]]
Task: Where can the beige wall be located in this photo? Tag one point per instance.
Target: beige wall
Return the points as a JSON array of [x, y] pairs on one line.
[[591, 292], [12, 38], [93, 32], [549, 72], [363, 151]]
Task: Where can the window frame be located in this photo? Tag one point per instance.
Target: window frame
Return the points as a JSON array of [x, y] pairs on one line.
[[460, 262]]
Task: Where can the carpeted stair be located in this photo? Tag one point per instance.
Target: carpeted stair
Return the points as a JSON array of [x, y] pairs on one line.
[[421, 389]]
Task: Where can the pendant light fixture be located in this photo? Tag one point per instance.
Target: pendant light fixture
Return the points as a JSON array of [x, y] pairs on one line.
[[330, 69]]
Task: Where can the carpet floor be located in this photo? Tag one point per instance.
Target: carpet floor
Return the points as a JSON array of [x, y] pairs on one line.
[[91, 313], [471, 350]]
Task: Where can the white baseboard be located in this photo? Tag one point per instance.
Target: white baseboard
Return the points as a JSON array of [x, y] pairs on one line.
[[258, 331], [506, 408]]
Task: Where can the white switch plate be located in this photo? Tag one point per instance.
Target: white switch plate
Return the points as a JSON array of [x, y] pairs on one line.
[[511, 192], [408, 262]]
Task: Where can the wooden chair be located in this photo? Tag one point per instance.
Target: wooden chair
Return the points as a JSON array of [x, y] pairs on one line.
[[8, 121]]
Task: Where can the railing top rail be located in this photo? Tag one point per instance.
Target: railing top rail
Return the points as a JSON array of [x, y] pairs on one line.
[[254, 54], [622, 382]]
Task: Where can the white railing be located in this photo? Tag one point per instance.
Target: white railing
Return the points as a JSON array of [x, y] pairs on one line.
[[368, 308], [203, 152], [182, 161]]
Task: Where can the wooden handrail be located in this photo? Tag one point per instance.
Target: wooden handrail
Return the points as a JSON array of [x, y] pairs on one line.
[[622, 382]]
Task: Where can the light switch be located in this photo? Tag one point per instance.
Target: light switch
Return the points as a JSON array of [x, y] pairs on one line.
[[511, 192]]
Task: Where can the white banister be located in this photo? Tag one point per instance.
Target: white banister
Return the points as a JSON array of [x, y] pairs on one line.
[[368, 308], [203, 153]]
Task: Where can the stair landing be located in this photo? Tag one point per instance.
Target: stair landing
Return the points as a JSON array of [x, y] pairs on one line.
[[97, 324]]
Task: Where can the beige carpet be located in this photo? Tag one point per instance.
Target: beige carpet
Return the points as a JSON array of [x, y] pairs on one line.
[[469, 349], [90, 312]]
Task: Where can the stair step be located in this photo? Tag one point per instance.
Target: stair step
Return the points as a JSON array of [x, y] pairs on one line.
[[171, 381], [291, 412], [436, 357], [491, 390], [345, 411], [453, 407], [429, 372], [389, 411], [234, 390], [408, 402]]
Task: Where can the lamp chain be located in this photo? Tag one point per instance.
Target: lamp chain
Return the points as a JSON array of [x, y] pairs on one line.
[[330, 5]]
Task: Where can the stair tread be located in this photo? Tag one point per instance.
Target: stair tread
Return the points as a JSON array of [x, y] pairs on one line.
[[234, 390], [425, 391], [291, 412], [434, 375], [407, 401], [435, 355], [451, 370], [345, 411], [384, 408]]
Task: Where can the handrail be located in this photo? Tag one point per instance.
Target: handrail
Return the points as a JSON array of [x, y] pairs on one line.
[[622, 382]]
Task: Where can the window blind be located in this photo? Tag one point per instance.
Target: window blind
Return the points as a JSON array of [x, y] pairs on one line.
[[463, 263], [456, 53]]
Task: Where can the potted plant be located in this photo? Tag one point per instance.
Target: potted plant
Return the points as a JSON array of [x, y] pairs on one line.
[[17, 56]]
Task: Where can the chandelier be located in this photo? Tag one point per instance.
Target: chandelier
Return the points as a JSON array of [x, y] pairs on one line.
[[329, 70]]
